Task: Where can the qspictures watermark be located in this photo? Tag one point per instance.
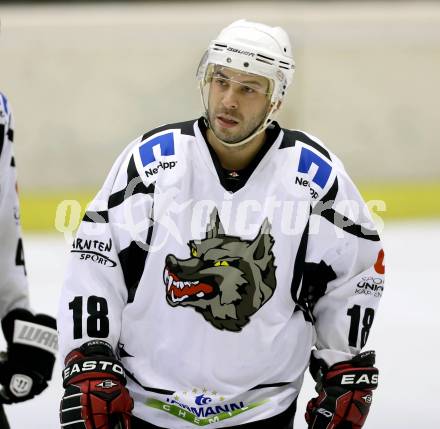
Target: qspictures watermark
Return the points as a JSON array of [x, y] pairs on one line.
[[290, 215]]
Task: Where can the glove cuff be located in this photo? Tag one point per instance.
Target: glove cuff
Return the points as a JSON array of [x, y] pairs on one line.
[[357, 373], [93, 359]]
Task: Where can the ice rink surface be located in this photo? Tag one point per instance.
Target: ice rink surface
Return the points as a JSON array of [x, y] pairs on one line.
[[405, 335]]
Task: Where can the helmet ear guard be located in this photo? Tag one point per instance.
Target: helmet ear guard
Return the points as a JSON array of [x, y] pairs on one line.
[[256, 49]]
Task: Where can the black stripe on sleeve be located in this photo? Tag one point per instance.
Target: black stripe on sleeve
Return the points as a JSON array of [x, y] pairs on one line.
[[186, 128], [10, 134], [292, 136], [324, 208], [349, 226], [298, 267], [297, 279], [134, 186], [330, 196], [132, 260], [96, 216]]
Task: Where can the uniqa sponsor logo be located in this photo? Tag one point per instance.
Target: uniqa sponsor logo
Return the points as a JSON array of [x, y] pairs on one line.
[[370, 286]]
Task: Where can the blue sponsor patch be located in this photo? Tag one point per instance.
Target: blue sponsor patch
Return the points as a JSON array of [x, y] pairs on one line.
[[307, 158], [164, 141]]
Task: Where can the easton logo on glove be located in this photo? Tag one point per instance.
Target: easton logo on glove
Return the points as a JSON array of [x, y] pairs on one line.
[[345, 392], [360, 379], [95, 395], [106, 384], [95, 365]]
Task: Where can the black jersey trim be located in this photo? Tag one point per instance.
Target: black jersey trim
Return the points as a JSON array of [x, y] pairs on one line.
[[149, 389], [330, 196], [12, 161], [133, 257], [315, 280], [324, 208], [266, 386], [292, 136], [138, 187], [348, 225], [132, 260], [186, 128], [231, 183], [119, 197], [171, 392], [2, 137], [10, 135], [297, 278], [96, 216]]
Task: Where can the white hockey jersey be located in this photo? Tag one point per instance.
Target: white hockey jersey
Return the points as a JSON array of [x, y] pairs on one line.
[[13, 283], [214, 300]]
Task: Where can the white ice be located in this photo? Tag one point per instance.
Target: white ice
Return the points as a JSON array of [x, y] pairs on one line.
[[405, 335]]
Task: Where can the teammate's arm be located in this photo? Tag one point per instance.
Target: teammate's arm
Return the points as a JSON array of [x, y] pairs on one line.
[[13, 282], [26, 366]]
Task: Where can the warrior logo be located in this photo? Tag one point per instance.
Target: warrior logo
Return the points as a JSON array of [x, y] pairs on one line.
[[226, 279]]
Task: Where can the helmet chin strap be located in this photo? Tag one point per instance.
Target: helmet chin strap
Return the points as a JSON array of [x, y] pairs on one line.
[[268, 119]]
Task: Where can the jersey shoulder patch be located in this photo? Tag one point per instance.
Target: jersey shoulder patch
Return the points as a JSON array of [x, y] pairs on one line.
[[314, 163], [159, 150], [160, 142]]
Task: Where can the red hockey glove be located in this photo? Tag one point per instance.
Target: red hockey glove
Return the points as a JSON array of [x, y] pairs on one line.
[[95, 396], [345, 393], [26, 367]]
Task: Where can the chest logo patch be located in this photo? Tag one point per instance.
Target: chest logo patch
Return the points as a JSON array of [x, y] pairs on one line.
[[226, 279]]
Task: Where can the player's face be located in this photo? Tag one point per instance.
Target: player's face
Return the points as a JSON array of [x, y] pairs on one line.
[[237, 104]]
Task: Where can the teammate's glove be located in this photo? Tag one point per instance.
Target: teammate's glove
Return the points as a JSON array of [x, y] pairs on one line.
[[345, 392], [95, 396], [27, 365]]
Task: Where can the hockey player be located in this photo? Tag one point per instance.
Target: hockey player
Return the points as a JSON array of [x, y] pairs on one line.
[[218, 254], [31, 339]]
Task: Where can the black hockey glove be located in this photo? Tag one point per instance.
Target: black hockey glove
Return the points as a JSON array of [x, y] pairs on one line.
[[345, 392], [27, 365], [95, 396]]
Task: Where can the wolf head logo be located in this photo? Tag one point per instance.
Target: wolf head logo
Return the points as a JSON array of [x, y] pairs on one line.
[[226, 279]]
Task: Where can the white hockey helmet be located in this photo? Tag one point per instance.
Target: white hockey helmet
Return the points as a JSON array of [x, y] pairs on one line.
[[253, 48]]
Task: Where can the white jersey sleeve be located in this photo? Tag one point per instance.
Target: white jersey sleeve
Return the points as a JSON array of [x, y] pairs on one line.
[[344, 252], [96, 286], [13, 282]]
